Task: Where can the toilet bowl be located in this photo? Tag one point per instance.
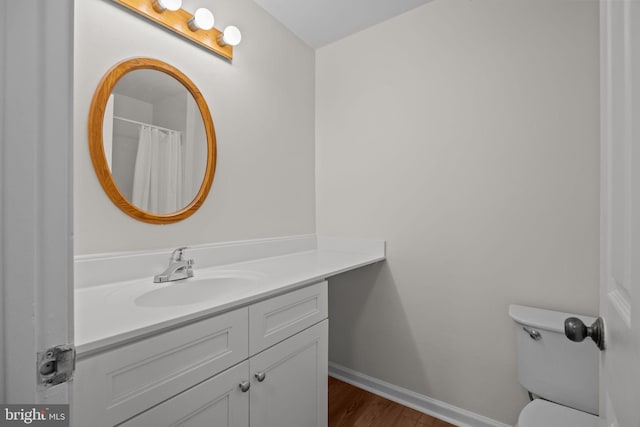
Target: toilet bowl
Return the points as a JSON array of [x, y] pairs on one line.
[[540, 412], [562, 374]]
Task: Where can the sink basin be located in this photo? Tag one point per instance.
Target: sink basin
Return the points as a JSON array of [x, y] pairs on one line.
[[202, 287]]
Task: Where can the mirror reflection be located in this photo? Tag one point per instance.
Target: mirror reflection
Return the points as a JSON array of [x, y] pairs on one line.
[[155, 141]]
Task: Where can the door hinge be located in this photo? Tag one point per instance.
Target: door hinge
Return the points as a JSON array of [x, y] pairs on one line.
[[56, 365]]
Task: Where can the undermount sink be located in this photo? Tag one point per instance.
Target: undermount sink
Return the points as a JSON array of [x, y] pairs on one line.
[[202, 287]]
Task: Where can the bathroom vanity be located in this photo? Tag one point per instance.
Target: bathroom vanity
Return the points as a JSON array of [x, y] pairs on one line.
[[249, 348]]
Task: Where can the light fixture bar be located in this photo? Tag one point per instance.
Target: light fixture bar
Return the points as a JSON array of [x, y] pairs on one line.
[[177, 21]]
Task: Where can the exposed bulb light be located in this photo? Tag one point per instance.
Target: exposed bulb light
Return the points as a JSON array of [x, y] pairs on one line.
[[202, 19], [162, 5], [230, 36]]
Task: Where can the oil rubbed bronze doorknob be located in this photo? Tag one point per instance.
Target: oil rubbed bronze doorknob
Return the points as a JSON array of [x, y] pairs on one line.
[[577, 331]]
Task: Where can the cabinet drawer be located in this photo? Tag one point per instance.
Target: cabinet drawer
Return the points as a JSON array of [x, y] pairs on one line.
[[276, 319], [113, 386], [217, 402]]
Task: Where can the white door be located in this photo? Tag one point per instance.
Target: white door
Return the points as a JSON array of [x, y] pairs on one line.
[[36, 250], [620, 213], [289, 381], [217, 402]]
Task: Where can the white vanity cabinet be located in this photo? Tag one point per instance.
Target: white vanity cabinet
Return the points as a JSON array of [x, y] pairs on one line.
[[262, 365]]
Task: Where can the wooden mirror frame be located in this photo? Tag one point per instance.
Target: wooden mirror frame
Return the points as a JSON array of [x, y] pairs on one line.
[[96, 145]]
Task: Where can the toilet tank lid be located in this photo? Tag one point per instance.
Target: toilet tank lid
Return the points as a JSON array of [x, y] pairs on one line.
[[544, 319]]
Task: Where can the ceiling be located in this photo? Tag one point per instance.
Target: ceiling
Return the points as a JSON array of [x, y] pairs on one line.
[[320, 22], [148, 86]]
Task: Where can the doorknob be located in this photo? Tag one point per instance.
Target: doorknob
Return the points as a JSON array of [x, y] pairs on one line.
[[577, 331]]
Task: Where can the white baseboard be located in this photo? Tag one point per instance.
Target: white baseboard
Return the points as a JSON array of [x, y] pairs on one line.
[[419, 402]]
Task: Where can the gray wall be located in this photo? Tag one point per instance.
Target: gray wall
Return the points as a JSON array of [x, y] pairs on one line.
[[466, 134], [263, 111]]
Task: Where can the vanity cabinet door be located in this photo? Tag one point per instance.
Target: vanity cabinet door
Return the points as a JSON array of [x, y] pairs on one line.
[[289, 381], [217, 402]]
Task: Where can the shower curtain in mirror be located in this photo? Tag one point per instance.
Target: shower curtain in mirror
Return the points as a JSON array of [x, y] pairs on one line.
[[158, 177]]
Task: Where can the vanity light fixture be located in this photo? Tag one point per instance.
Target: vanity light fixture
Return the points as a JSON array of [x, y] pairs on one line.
[[197, 27], [162, 5], [230, 36], [202, 19]]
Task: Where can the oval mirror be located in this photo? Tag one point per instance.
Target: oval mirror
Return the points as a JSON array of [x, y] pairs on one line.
[[152, 141]]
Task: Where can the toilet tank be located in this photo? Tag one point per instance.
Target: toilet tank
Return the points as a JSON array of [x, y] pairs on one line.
[[553, 367]]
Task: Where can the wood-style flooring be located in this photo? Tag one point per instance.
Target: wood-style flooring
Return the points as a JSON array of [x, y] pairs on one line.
[[350, 406]]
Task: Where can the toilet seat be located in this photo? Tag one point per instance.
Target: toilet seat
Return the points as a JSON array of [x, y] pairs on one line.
[[542, 413]]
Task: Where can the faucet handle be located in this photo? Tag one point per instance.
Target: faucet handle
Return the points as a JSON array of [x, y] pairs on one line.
[[176, 255]]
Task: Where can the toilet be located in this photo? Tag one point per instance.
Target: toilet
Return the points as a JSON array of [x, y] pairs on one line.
[[561, 374]]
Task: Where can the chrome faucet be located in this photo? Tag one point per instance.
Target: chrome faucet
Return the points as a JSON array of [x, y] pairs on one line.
[[179, 268]]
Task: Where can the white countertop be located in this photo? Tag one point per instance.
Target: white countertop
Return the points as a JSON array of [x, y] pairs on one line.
[[107, 315]]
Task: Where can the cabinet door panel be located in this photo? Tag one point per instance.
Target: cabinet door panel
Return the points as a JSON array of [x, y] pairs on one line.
[[276, 319], [293, 392], [217, 402]]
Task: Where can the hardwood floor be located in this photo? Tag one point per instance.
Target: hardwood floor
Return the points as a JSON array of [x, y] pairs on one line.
[[350, 406]]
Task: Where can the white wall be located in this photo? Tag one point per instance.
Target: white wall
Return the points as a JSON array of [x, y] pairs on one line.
[[263, 111], [471, 146]]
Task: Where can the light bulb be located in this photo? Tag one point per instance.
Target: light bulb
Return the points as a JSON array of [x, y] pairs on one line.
[[230, 36], [162, 5], [202, 19]]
